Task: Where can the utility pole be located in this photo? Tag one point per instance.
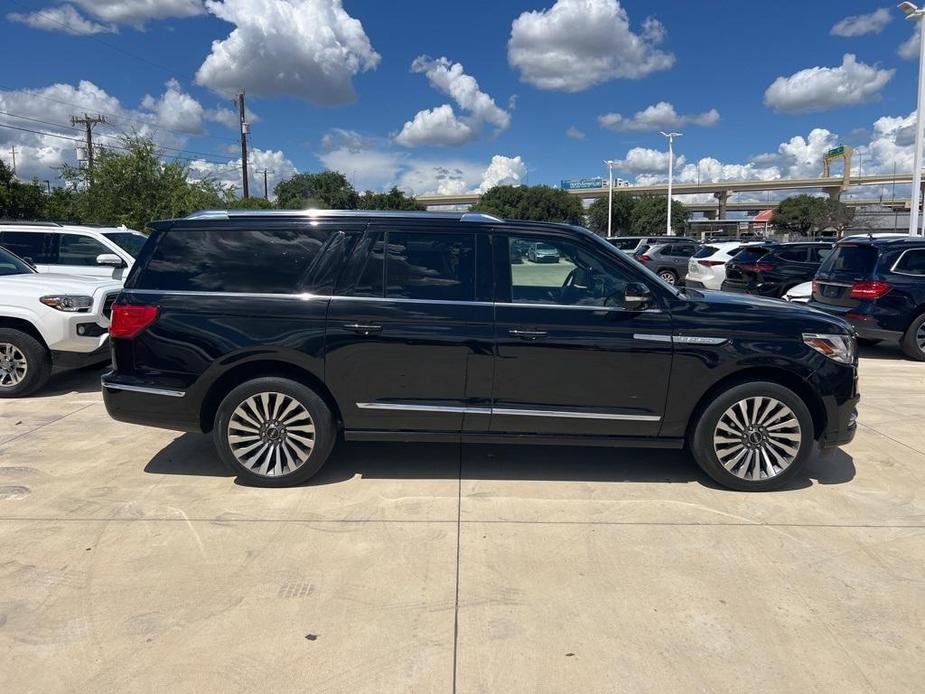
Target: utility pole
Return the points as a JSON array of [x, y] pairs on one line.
[[610, 164], [88, 122], [13, 152], [245, 129], [266, 189], [671, 137], [915, 14]]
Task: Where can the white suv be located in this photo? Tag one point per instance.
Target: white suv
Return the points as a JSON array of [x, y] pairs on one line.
[[707, 267], [48, 319], [104, 252]]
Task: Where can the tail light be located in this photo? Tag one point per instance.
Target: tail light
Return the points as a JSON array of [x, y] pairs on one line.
[[869, 290], [128, 321], [643, 258], [757, 267], [711, 263]]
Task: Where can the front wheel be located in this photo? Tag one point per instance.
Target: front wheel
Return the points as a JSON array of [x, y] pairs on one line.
[[913, 342], [753, 437], [25, 364], [668, 276], [273, 432]]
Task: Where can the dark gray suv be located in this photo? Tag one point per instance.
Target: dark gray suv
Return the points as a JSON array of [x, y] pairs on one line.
[[668, 260]]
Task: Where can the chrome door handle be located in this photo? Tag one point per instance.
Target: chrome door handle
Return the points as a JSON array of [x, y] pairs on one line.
[[363, 328], [527, 334]]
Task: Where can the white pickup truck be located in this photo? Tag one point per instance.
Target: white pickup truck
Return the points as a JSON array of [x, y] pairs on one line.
[[49, 320]]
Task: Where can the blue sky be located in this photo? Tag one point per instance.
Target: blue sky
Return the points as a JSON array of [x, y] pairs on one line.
[[699, 57]]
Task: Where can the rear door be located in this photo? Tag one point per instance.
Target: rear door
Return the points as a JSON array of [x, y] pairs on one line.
[[409, 337], [571, 358]]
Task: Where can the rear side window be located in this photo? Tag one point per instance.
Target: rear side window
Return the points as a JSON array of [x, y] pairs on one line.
[[857, 259], [750, 254], [267, 261], [76, 249], [625, 244], [431, 266], [795, 254], [28, 245], [911, 262]]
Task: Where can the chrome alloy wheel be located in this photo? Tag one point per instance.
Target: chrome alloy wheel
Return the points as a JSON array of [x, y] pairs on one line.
[[13, 365], [757, 438], [271, 434], [920, 337]]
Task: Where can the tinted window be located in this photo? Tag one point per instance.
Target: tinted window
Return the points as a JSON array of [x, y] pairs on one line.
[[819, 253], [580, 278], [705, 251], [269, 261], [858, 259], [75, 249], [750, 254], [625, 244], [680, 250], [31, 246], [433, 266], [372, 275], [912, 262], [795, 254], [127, 241]]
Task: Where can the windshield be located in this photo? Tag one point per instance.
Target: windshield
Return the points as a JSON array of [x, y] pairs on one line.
[[127, 241], [625, 244], [859, 259], [545, 248], [12, 265]]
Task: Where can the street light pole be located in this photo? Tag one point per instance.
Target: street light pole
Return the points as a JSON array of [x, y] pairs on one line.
[[671, 136], [610, 164], [915, 14]]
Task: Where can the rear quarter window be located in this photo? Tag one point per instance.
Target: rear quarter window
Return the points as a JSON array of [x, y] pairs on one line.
[[911, 262], [705, 251], [265, 261], [750, 254]]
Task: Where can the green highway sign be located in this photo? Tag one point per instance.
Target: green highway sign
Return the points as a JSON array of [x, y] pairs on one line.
[[835, 152]]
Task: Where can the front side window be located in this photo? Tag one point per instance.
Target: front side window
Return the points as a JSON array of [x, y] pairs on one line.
[[262, 261], [75, 249], [795, 254], [430, 266], [127, 241], [912, 262], [577, 278]]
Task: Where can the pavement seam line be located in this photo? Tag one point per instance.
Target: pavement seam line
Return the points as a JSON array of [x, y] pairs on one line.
[[456, 599], [46, 424]]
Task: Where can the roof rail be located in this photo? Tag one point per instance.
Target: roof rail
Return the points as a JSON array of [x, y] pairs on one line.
[[208, 214], [480, 217], [21, 223]]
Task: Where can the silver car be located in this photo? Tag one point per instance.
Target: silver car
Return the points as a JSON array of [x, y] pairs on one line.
[[668, 260]]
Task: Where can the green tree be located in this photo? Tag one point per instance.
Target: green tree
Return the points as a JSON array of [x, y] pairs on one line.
[[234, 202], [134, 185], [621, 216], [62, 205], [537, 203], [838, 216], [327, 190], [650, 214], [19, 200], [801, 214], [393, 200]]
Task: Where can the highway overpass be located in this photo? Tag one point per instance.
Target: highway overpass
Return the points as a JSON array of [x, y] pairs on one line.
[[721, 190]]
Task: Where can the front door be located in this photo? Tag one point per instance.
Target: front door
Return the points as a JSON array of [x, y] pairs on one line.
[[409, 337], [572, 358]]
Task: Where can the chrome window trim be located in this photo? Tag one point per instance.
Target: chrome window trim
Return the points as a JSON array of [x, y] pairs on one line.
[[697, 340], [899, 260], [652, 337], [145, 389], [403, 300], [450, 409], [303, 296], [515, 304]]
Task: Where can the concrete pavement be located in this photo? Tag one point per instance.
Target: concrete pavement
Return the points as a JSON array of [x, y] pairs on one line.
[[132, 561]]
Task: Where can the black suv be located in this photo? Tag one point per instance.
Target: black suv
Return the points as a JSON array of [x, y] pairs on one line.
[[278, 331], [878, 285], [773, 268]]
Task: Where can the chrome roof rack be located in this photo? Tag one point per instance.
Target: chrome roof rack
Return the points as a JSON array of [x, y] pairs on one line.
[[480, 217], [398, 214], [21, 223]]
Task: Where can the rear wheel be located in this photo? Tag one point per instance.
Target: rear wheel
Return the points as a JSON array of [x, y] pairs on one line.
[[25, 364], [273, 432], [913, 341], [669, 276], [754, 437]]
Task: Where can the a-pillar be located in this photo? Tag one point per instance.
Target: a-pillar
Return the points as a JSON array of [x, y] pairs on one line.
[[722, 197]]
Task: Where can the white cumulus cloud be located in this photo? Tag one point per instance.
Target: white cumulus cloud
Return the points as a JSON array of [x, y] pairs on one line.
[[573, 133], [824, 88], [277, 165], [503, 171], [660, 116], [136, 12], [63, 18], [305, 48], [576, 44], [441, 125], [858, 25], [644, 160], [175, 109], [909, 49]]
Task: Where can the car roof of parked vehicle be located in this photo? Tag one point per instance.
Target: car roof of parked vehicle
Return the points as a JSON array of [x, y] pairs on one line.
[[19, 225], [884, 239]]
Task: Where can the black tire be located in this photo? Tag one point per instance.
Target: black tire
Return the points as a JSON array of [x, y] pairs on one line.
[[38, 363], [913, 341], [704, 450], [284, 441], [670, 276]]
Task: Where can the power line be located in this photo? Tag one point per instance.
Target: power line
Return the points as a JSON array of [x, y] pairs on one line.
[[88, 122], [36, 120]]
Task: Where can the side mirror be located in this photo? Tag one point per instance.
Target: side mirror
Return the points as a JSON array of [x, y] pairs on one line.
[[638, 297], [110, 259]]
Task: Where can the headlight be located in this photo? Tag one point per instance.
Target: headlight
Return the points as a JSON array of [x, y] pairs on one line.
[[841, 348], [68, 302]]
